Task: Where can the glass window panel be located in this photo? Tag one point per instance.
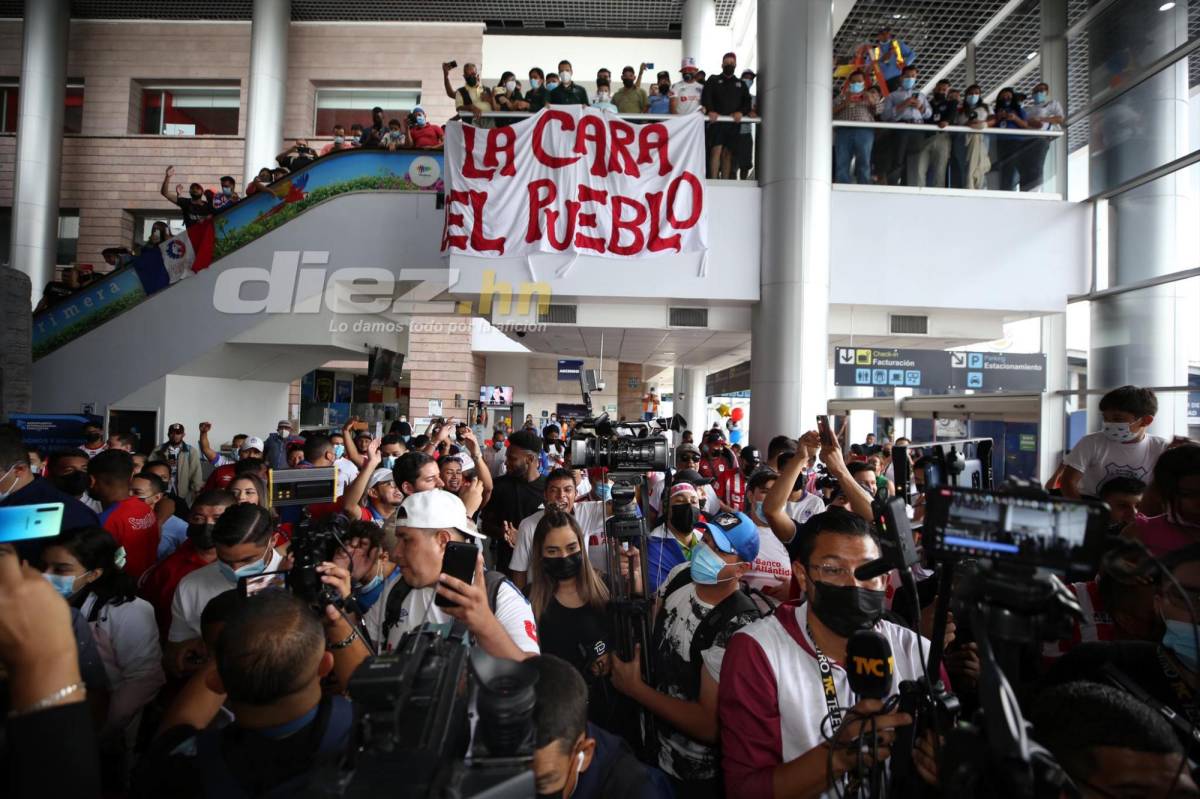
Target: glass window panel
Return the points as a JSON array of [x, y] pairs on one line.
[[348, 106], [190, 111], [67, 243], [1153, 230], [10, 95]]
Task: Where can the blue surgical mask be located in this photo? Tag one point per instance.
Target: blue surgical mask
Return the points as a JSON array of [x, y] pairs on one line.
[[855, 88], [64, 584], [758, 510], [1039, 97], [908, 83], [534, 83], [1180, 638], [551, 85], [389, 462], [604, 492], [339, 139], [339, 450], [420, 120], [371, 585], [250, 570], [706, 566], [972, 100], [227, 190]]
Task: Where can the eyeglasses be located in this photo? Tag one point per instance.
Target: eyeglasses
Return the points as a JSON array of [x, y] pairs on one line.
[[832, 573], [689, 458]]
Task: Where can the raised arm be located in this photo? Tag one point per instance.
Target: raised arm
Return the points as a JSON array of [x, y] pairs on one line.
[[166, 186], [481, 467], [358, 488], [860, 500], [352, 453], [206, 448], [446, 80]]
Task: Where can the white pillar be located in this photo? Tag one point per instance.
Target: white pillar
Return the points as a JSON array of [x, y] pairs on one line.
[[268, 85], [1052, 420], [700, 35], [691, 401], [791, 320], [1054, 72], [46, 26]]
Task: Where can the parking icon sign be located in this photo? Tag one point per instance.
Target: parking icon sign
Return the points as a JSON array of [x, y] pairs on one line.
[[974, 379], [975, 360]]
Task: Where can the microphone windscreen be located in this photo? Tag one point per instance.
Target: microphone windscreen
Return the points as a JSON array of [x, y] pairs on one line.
[[873, 569], [870, 665]]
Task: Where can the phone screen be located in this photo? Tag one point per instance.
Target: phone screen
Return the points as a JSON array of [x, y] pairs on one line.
[[459, 562], [249, 586], [22, 522]]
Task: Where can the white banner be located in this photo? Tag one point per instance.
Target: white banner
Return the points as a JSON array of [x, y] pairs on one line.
[[573, 179]]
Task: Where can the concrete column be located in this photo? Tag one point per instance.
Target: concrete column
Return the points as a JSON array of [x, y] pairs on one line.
[[700, 35], [39, 141], [1052, 420], [268, 85], [1136, 337], [1054, 72], [691, 399], [969, 65], [791, 320]]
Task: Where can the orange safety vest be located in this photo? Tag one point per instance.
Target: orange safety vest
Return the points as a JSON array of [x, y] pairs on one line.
[[895, 49]]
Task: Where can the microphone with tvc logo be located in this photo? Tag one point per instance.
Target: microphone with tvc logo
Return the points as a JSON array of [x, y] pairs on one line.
[[870, 665]]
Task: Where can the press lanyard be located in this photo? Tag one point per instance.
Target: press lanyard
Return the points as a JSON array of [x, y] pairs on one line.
[[827, 685]]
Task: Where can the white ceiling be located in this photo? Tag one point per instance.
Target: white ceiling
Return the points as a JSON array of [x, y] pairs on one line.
[[674, 347]]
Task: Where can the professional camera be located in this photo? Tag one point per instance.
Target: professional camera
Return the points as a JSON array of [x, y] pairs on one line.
[[314, 542], [413, 736]]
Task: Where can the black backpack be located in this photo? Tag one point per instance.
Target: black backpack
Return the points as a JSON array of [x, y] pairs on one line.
[[736, 604], [400, 591]]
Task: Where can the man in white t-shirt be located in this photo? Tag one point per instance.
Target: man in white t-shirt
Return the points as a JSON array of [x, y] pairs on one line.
[[783, 675], [244, 538], [1122, 447], [685, 94], [430, 520], [801, 504], [561, 492], [771, 570]]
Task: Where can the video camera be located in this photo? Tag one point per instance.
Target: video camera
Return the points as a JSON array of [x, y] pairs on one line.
[[413, 735], [315, 541]]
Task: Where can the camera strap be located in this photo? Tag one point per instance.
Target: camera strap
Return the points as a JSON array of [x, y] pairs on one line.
[[827, 685]]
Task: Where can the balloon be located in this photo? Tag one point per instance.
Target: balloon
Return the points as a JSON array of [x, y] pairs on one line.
[[737, 414], [723, 410], [487, 442]]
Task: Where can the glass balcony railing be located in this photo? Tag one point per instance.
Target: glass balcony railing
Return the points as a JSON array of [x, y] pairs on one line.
[[951, 157]]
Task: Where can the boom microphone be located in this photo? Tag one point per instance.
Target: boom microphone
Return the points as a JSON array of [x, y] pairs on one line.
[[870, 665]]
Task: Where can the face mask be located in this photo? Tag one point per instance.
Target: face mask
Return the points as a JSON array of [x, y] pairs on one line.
[[563, 568], [972, 100], [73, 483], [420, 120], [371, 585], [908, 83], [534, 83], [1119, 432], [64, 584], [551, 85], [727, 69], [472, 80], [197, 197], [683, 517], [855, 88], [93, 437], [845, 609], [664, 88], [226, 190], [565, 77], [155, 237], [511, 85], [706, 566], [758, 510], [1039, 97], [750, 83], [339, 450], [628, 82], [689, 76], [338, 140], [249, 570], [603, 97], [1180, 638], [200, 534], [389, 462], [604, 492]]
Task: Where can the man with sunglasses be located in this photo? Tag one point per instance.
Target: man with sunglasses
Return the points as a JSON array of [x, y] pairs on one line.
[[687, 458]]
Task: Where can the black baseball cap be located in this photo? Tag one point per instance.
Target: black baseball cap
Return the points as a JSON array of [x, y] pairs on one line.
[[664, 74], [691, 476], [175, 428]]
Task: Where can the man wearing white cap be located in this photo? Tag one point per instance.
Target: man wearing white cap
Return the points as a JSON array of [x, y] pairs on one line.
[[373, 496], [497, 615], [685, 94]]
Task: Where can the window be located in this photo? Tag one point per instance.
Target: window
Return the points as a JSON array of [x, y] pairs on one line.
[[190, 110], [68, 234], [10, 102], [143, 223], [346, 106]]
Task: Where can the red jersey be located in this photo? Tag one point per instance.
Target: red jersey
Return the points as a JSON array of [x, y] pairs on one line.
[[133, 524], [158, 584], [425, 136], [731, 488], [221, 477], [1097, 624]]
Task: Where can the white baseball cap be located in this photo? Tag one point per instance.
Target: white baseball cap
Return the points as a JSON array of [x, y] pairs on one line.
[[252, 443], [688, 63], [437, 510], [381, 475]]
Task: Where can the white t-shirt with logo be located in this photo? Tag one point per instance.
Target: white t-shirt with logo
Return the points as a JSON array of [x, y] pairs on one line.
[[1100, 459], [196, 590], [772, 567], [590, 516], [805, 508], [687, 96], [513, 611]]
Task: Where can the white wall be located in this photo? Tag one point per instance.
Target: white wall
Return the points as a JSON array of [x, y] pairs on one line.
[[534, 379], [233, 406]]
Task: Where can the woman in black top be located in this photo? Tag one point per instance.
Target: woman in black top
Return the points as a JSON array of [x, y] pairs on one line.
[[569, 601]]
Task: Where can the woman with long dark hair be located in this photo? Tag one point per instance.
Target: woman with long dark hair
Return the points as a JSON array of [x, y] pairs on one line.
[[85, 566]]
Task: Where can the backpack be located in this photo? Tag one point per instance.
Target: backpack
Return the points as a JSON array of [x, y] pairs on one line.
[[736, 604], [400, 591]]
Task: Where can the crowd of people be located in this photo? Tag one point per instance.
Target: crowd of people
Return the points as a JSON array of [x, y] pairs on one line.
[[882, 87], [135, 663]]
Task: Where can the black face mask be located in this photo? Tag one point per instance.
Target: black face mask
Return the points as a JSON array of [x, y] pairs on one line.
[[628, 82], [472, 80], [72, 483], [563, 568], [663, 88], [845, 609], [200, 534], [93, 436], [727, 69], [683, 517]]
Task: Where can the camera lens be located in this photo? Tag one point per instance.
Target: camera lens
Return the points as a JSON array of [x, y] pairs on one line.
[[505, 702]]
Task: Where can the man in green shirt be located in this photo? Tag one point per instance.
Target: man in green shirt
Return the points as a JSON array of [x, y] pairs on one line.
[[568, 92], [631, 98]]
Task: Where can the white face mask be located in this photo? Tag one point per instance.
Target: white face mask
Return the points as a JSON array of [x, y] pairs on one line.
[[511, 85], [1119, 432], [565, 76]]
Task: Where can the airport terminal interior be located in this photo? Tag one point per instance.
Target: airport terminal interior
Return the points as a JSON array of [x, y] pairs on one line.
[[512, 398]]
